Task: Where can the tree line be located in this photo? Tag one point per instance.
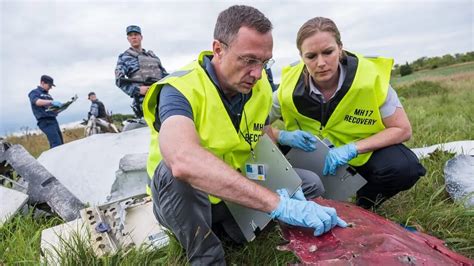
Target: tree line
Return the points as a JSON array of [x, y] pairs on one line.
[[424, 62]]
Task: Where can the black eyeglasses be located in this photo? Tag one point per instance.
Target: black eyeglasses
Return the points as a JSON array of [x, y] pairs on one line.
[[252, 62]]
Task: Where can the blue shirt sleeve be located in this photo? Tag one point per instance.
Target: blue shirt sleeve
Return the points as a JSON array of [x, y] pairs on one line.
[[172, 102], [34, 95]]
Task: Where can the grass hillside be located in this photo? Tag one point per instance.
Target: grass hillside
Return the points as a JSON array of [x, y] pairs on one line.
[[439, 105], [436, 74]]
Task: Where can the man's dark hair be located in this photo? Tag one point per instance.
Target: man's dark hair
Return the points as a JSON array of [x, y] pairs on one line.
[[233, 18]]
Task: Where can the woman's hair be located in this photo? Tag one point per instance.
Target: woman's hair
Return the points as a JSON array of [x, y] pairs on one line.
[[312, 26], [315, 25]]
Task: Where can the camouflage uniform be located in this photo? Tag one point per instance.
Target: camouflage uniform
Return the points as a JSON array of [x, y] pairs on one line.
[[134, 65]]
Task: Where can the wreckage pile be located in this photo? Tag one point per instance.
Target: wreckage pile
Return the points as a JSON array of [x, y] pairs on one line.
[[41, 186], [108, 173], [110, 176]]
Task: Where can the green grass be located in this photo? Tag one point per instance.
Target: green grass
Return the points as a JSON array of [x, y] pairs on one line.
[[443, 116], [428, 207], [20, 241], [438, 72], [421, 88], [20, 238], [440, 111], [78, 251], [36, 143], [439, 105], [262, 251]]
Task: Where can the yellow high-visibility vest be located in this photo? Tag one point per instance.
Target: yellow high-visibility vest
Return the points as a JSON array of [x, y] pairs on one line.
[[213, 124], [357, 116]]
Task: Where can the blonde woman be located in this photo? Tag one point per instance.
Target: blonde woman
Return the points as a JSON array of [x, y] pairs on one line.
[[347, 98]]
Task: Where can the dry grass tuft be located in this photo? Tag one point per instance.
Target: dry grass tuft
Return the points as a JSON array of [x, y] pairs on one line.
[[36, 143]]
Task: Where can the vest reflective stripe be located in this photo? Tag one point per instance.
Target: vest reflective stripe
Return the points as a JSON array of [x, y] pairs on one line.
[[213, 124], [356, 117], [148, 65]]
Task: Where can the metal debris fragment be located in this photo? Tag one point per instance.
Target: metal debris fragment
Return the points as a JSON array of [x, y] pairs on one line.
[[43, 187], [459, 178], [312, 248], [374, 241], [115, 226]]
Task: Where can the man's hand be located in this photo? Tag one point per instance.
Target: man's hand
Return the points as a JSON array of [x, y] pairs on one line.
[[339, 156], [297, 139], [306, 214], [56, 104], [143, 89]]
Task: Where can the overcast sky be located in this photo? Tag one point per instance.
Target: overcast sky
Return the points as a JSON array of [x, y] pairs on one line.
[[77, 42]]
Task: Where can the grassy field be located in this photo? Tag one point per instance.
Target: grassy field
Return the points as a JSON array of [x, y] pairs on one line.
[[438, 73], [35, 144], [439, 104]]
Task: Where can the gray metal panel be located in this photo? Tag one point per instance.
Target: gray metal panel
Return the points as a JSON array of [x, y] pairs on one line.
[[42, 185], [11, 202], [279, 174], [342, 186]]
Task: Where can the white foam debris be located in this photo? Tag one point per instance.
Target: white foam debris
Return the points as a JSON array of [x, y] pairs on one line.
[[457, 147], [87, 166]]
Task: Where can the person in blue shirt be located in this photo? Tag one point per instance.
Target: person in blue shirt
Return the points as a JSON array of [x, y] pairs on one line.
[[139, 64], [40, 100]]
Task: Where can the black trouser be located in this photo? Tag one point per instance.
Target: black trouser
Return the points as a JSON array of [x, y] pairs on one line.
[[198, 224], [389, 170]]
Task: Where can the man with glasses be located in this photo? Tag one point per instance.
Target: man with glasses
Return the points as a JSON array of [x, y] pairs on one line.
[[207, 118]]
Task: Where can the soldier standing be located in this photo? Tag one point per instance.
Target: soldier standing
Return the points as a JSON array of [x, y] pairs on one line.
[[136, 69]]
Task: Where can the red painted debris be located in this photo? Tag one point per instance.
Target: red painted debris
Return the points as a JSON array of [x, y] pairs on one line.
[[372, 240]]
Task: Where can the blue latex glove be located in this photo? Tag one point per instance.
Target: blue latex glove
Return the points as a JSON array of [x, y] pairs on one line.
[[299, 195], [306, 214], [339, 156], [297, 139], [56, 103]]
